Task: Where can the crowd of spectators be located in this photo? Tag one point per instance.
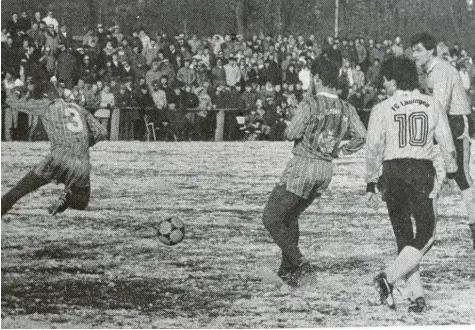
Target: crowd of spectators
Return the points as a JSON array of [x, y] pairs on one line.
[[156, 78]]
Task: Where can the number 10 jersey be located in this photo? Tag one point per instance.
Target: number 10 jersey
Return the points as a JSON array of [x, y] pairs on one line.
[[404, 127]]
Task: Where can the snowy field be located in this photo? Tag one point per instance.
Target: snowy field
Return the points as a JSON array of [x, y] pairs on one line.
[[103, 268]]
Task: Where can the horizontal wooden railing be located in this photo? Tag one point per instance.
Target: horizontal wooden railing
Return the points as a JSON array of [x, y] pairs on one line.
[[116, 112]]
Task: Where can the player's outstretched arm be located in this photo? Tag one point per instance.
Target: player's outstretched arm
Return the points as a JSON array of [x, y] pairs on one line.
[[97, 131], [444, 138], [36, 107], [357, 132]]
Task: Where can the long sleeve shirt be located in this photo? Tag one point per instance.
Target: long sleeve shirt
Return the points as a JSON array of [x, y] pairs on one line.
[[67, 124], [404, 127], [320, 125], [445, 85]]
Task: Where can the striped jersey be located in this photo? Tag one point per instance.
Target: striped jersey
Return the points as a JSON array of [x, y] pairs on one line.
[[67, 124], [404, 126], [445, 84], [320, 125]]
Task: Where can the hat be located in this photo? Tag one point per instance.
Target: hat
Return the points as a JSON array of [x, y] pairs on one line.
[[99, 25]]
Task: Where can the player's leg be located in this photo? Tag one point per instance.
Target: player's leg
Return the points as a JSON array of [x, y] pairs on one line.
[[29, 183], [293, 227], [279, 209], [459, 127], [75, 196]]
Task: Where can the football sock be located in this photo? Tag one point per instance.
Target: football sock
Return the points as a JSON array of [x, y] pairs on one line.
[[414, 285], [405, 263], [30, 182], [468, 196]]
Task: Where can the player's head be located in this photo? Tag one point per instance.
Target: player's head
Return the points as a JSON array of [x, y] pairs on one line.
[[423, 47], [399, 73], [325, 74]]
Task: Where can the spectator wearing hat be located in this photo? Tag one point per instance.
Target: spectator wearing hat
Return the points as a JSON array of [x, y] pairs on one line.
[[24, 23], [186, 75]]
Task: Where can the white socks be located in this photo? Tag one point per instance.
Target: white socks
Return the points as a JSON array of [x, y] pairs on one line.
[[414, 285], [468, 196], [405, 263]]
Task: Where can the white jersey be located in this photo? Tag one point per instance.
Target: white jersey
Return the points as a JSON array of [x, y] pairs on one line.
[[404, 127]]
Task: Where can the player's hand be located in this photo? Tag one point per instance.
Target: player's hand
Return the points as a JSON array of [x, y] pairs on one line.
[[372, 200]]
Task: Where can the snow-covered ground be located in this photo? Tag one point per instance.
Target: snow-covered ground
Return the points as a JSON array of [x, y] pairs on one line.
[[104, 268]]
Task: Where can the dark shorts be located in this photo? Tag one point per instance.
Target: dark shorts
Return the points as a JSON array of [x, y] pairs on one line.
[[408, 184], [69, 170], [458, 125]]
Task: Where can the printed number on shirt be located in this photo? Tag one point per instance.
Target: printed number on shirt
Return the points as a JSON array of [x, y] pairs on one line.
[[413, 129], [74, 123]]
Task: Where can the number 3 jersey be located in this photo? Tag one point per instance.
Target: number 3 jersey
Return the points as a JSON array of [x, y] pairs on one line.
[[405, 126], [67, 124]]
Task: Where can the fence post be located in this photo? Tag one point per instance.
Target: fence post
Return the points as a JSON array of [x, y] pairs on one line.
[[219, 133], [115, 123]]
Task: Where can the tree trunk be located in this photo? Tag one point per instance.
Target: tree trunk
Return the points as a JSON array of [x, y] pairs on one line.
[[91, 4], [239, 9], [278, 21]]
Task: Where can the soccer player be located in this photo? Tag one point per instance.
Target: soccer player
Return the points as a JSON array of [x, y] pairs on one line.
[[445, 85], [318, 128], [71, 130], [400, 139]]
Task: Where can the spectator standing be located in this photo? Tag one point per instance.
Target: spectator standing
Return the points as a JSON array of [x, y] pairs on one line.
[[107, 104], [218, 74], [186, 75], [50, 20], [397, 48], [465, 77], [305, 76], [358, 78], [233, 73], [66, 65], [65, 37]]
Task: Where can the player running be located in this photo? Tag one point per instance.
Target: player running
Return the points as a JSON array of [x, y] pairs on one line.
[[318, 129], [68, 127], [445, 85], [400, 139]]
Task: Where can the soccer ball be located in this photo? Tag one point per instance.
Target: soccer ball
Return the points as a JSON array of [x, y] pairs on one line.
[[171, 231]]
